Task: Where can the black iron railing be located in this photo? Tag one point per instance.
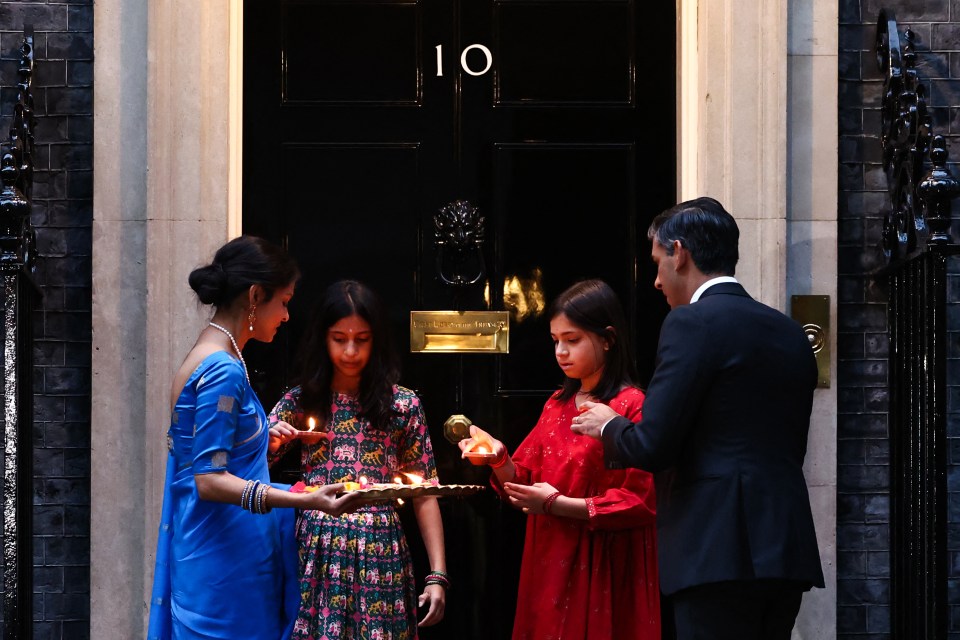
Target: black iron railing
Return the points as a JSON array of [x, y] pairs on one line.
[[17, 243], [918, 247]]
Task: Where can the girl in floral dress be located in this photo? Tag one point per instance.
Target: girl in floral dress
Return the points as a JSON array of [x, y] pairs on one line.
[[589, 566], [357, 577]]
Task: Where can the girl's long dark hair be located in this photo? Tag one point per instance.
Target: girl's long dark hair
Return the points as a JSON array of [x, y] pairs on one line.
[[593, 306], [315, 369]]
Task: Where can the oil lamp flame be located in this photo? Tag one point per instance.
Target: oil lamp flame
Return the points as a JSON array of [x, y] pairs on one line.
[[311, 423], [414, 478]]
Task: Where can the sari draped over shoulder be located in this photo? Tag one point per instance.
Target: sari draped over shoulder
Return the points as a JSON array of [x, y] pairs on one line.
[[221, 571]]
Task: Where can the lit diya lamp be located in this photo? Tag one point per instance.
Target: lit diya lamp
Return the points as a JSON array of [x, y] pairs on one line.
[[311, 434], [412, 477], [481, 453]]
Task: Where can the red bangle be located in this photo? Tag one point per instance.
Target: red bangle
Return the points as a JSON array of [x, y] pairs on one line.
[[548, 503], [500, 460]]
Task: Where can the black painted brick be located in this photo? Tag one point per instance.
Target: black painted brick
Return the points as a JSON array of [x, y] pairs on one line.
[[70, 434], [80, 74], [67, 550], [878, 563], [877, 508], [48, 579], [852, 618], [77, 579], [865, 478], [81, 129], [62, 212], [866, 591], [68, 606], [47, 462], [80, 19], [77, 408], [43, 17], [76, 520], [862, 425], [76, 630], [75, 46], [48, 518], [878, 619], [853, 564]]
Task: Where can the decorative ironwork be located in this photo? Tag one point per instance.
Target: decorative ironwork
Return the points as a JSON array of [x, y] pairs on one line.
[[17, 237], [918, 247], [458, 235], [920, 212], [17, 243]]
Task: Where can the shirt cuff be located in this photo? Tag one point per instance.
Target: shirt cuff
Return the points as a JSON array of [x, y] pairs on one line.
[[604, 425]]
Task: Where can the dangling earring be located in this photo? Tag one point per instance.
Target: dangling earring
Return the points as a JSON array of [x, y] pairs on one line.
[[252, 316]]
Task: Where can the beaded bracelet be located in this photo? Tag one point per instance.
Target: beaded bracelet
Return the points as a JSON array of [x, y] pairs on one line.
[[246, 498], [243, 494], [548, 503], [438, 577], [260, 506]]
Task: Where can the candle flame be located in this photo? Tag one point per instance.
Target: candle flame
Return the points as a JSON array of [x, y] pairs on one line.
[[414, 478], [483, 449], [362, 480], [311, 423]]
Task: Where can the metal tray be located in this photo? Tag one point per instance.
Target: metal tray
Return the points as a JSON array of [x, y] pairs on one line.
[[417, 491]]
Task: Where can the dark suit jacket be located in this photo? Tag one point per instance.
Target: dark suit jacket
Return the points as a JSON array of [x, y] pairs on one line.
[[725, 426]]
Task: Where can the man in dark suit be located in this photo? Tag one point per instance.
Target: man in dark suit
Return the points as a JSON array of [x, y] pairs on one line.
[[724, 427]]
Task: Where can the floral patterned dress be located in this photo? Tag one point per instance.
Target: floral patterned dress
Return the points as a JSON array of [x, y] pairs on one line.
[[356, 573]]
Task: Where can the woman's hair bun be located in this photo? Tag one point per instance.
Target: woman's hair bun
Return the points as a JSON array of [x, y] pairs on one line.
[[210, 284], [239, 264]]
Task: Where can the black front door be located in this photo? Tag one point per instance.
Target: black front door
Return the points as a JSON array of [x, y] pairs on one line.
[[363, 118]]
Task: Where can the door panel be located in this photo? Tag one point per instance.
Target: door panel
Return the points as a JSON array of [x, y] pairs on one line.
[[584, 57], [353, 142]]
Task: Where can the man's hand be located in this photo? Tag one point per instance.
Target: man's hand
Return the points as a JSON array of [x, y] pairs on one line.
[[593, 415]]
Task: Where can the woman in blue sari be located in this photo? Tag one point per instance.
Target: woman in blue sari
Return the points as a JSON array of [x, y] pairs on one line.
[[226, 564]]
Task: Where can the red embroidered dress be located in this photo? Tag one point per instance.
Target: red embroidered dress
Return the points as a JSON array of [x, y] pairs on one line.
[[587, 579]]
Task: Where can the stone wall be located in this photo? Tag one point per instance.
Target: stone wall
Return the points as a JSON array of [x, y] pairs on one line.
[[62, 215]]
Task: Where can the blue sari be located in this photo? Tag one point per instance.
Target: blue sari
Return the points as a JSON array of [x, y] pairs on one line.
[[221, 572]]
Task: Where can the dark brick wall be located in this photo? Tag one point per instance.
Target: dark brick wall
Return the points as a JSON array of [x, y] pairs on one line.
[[62, 215], [863, 502]]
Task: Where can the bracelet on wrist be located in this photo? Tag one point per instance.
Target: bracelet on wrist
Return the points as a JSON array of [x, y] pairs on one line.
[[500, 460], [439, 578], [548, 503]]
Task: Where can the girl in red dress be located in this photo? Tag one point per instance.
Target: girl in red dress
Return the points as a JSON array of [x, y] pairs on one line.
[[589, 567]]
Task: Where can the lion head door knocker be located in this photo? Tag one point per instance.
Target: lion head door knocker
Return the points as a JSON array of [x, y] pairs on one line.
[[458, 236]]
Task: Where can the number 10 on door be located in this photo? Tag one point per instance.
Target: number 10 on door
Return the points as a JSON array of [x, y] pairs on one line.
[[463, 59]]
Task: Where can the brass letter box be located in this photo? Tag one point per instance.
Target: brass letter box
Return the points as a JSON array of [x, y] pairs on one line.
[[459, 332]]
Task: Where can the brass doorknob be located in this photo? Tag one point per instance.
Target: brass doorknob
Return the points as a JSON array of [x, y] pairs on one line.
[[457, 428]]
